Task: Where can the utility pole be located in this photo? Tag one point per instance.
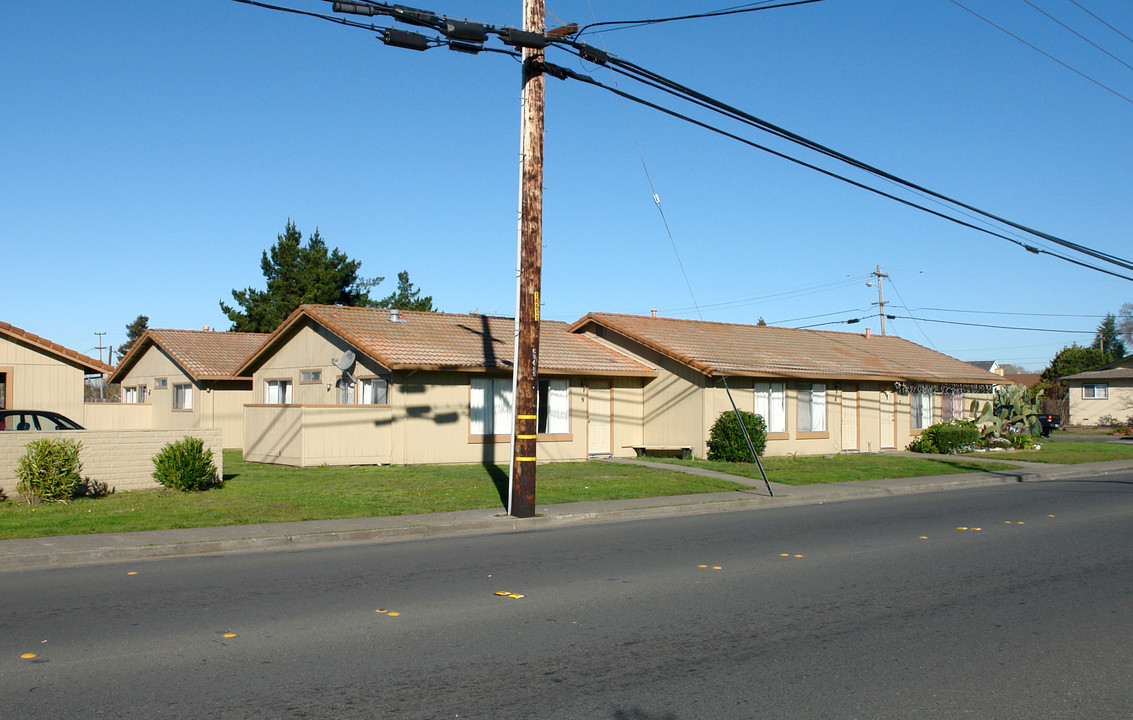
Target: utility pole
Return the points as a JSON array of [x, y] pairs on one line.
[[880, 297], [102, 381], [525, 372]]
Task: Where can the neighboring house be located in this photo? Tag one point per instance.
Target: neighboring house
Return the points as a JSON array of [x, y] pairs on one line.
[[990, 366], [37, 374], [819, 391], [427, 387], [188, 378], [1024, 379], [1102, 396]]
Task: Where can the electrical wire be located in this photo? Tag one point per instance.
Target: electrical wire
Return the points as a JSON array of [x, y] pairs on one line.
[[1103, 22], [1078, 34], [926, 337], [997, 327], [765, 5], [564, 72], [1071, 68]]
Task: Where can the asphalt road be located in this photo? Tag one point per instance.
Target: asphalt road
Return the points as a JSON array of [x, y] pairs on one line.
[[1011, 602]]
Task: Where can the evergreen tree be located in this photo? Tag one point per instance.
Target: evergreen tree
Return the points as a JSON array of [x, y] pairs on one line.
[[1108, 340], [1073, 359], [134, 331], [1125, 323], [407, 297], [298, 274]]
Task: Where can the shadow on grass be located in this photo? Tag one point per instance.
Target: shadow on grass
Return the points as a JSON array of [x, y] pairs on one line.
[[499, 479]]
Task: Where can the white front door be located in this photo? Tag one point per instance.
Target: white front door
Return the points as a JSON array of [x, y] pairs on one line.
[[850, 418], [598, 418], [888, 419]]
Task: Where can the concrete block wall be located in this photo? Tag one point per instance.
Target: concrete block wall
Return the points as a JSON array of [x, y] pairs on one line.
[[120, 458]]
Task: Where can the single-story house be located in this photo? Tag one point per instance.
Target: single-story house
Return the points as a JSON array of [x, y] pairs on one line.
[[189, 379], [37, 374], [356, 386], [992, 366], [819, 391], [1103, 396]]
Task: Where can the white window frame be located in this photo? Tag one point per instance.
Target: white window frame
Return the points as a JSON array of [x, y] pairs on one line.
[[490, 406], [182, 396], [129, 394], [810, 403], [373, 391], [771, 405], [310, 377], [1097, 391], [277, 391], [142, 396], [554, 417], [160, 383]]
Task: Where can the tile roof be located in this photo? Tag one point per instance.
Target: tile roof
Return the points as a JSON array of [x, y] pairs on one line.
[[88, 363], [1026, 379], [202, 354], [723, 349], [446, 341]]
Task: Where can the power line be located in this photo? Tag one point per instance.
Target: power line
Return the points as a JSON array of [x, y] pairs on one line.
[[1069, 67], [997, 327], [1078, 34], [1103, 22], [754, 7]]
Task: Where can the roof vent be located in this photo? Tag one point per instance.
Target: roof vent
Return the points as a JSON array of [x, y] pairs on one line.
[[867, 333], [394, 315], [206, 328], [654, 311]]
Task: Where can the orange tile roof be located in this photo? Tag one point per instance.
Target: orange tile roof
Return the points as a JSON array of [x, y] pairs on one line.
[[446, 341], [723, 349], [202, 354], [88, 363]]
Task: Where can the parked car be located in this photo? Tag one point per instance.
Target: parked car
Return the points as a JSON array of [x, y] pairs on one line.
[[36, 420], [1050, 422]]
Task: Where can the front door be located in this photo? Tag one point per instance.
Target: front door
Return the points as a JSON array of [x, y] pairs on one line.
[[598, 418], [850, 418], [888, 418]]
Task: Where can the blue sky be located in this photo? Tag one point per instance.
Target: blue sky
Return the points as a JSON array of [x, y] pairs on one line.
[[152, 151]]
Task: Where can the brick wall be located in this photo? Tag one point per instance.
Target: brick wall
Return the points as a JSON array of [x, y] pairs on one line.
[[120, 458]]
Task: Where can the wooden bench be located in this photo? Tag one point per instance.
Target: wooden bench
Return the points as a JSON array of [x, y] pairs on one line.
[[683, 451]]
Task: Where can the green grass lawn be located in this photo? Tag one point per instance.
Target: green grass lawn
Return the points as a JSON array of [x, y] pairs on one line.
[[1068, 453], [255, 493], [811, 470]]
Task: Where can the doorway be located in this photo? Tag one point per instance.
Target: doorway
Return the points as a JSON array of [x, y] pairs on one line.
[[599, 412]]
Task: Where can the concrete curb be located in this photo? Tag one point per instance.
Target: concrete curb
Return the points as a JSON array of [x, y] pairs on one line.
[[74, 550]]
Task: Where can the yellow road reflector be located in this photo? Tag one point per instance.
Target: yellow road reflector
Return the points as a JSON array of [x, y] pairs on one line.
[[132, 572], [1050, 516], [503, 593], [924, 537], [515, 596], [1006, 522], [1020, 523], [393, 613], [381, 610], [27, 656], [798, 556], [717, 567], [702, 566], [961, 528], [229, 635], [784, 554], [976, 529]]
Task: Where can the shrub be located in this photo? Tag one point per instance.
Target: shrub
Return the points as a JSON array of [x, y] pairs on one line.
[[185, 465], [1022, 441], [922, 444], [1107, 421], [726, 440], [50, 470], [949, 437]]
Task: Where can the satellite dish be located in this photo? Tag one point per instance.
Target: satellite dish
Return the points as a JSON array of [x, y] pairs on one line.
[[346, 361]]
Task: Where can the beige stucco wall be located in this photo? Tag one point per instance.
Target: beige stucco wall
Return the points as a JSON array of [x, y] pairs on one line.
[[427, 420], [216, 404], [123, 459], [118, 416], [37, 380], [1090, 411]]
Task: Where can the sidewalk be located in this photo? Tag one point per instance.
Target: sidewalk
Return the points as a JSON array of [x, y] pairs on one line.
[[71, 550]]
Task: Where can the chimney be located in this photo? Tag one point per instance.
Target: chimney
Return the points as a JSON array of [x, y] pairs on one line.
[[654, 311], [206, 328], [394, 315], [867, 333]]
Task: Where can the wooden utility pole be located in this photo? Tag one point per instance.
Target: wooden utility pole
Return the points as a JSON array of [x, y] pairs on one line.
[[525, 375], [880, 296]]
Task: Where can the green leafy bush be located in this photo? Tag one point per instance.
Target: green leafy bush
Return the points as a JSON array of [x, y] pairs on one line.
[[950, 437], [185, 465], [49, 470], [1022, 441], [726, 440], [923, 443]]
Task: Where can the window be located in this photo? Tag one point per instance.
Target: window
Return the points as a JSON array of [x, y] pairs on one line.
[[160, 383], [491, 404], [554, 407], [920, 410], [1095, 392], [310, 376], [373, 391], [277, 392], [129, 394], [771, 405], [951, 406], [182, 396], [812, 407], [141, 393]]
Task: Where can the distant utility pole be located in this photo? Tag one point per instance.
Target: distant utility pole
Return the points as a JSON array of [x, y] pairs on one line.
[[525, 373], [101, 347], [880, 297]]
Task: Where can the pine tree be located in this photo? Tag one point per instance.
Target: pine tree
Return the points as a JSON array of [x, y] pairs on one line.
[[407, 297], [134, 331]]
